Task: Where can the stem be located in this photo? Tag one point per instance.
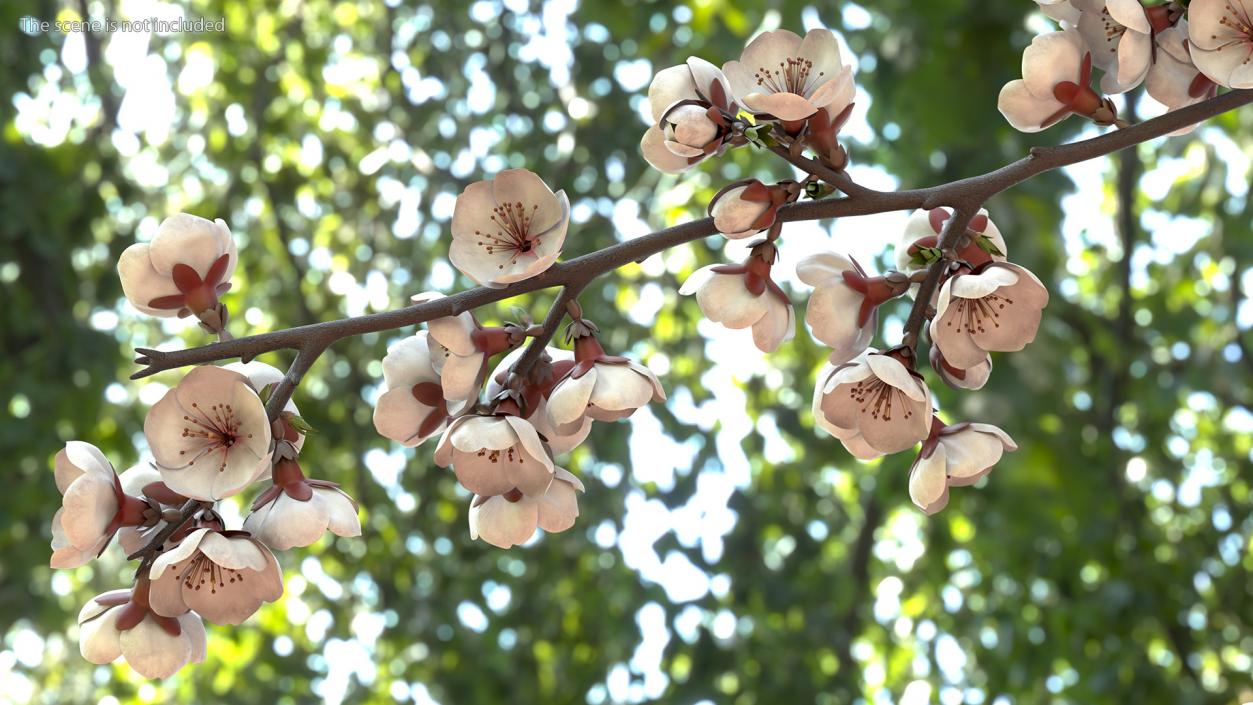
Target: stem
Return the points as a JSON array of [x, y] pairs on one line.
[[953, 229], [552, 322], [964, 195], [149, 552]]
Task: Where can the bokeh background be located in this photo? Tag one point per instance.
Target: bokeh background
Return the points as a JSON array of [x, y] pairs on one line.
[[727, 552]]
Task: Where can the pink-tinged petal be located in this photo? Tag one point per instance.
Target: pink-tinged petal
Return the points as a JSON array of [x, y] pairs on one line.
[[481, 475], [142, 284], [342, 517], [823, 268], [928, 483], [78, 458], [560, 441], [165, 596], [90, 504], [444, 450], [768, 49], [669, 86], [683, 150], [503, 523], [977, 286], [233, 553], [785, 106], [559, 507], [154, 652], [736, 217], [287, 523], [725, 299], [1135, 53], [409, 362], [821, 47], [697, 279], [98, 638], [857, 447], [620, 388], [459, 377], [891, 371], [193, 241], [1207, 29], [1051, 59], [184, 550], [776, 327], [949, 333], [454, 333], [483, 432], [896, 428], [653, 147], [473, 212], [399, 416], [703, 76], [832, 315], [568, 401], [529, 441], [742, 79], [1061, 11], [973, 451], [1130, 14], [1025, 111], [193, 631], [538, 201]]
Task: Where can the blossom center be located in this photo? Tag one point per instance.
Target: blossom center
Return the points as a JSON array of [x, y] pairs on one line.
[[1236, 19], [793, 75], [973, 315], [200, 572], [512, 234], [508, 455], [877, 398], [215, 429]]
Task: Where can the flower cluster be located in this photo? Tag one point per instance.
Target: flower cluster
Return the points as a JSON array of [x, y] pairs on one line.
[[1181, 51], [210, 439]]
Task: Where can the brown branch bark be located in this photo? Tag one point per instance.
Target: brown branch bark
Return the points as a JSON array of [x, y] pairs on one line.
[[964, 195]]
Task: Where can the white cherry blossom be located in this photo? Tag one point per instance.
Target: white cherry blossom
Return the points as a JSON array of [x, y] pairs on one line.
[[782, 75], [120, 623], [413, 406], [690, 106], [562, 361], [93, 506], [512, 518], [1221, 34], [183, 270], [1174, 80], [873, 404], [601, 387], [995, 310], [1120, 37], [493, 454], [744, 208], [508, 228], [970, 378], [1057, 72], [841, 312], [210, 435], [744, 296], [224, 576], [954, 456]]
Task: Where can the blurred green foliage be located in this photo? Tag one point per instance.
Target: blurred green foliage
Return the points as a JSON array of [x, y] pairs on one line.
[[1107, 561]]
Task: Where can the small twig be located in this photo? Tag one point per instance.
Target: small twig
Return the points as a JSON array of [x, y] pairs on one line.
[[839, 179], [953, 229], [556, 314], [972, 190], [150, 551]]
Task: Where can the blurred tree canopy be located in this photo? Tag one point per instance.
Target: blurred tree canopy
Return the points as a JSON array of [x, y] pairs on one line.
[[727, 552]]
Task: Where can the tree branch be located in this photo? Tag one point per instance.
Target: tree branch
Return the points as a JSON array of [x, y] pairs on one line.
[[552, 322], [965, 194], [918, 315]]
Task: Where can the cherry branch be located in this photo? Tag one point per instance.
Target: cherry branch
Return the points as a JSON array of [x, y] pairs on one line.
[[964, 195], [920, 313]]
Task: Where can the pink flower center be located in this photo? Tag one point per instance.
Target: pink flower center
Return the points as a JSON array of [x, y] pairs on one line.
[[508, 455], [973, 314], [513, 232], [792, 76], [877, 398], [217, 429], [200, 572], [1236, 19]]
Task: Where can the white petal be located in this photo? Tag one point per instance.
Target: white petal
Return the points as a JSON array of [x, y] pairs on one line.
[[1024, 110], [98, 639], [152, 651], [776, 327], [928, 484], [568, 401], [669, 86], [503, 523]]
